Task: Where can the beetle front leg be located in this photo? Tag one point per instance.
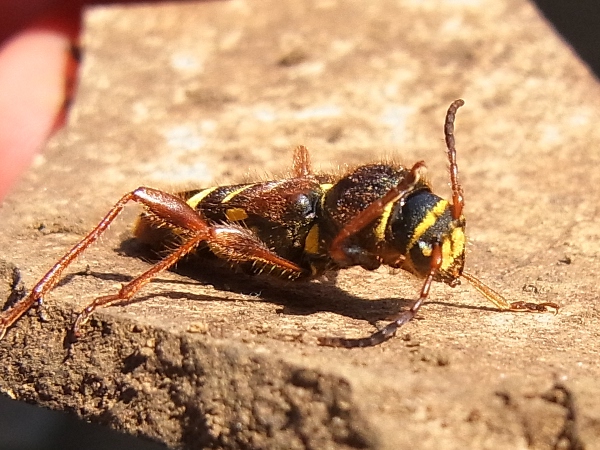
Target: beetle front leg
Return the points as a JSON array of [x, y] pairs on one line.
[[338, 250], [399, 320]]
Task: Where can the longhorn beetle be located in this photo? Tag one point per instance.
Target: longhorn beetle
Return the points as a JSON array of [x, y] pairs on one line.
[[301, 227]]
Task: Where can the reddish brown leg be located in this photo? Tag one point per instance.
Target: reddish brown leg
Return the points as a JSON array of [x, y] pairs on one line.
[[404, 317], [301, 167], [238, 245], [229, 242], [373, 211], [127, 291], [168, 207]]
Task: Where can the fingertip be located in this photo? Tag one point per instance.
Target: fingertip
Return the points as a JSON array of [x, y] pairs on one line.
[[37, 79]]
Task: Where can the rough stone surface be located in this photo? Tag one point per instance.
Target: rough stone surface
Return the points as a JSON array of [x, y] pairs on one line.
[[175, 95]]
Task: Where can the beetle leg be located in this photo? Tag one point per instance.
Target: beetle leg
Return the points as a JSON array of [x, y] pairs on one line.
[[337, 249], [402, 318], [232, 243], [167, 206]]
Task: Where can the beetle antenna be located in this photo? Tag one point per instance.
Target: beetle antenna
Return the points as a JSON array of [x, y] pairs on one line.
[[458, 201]]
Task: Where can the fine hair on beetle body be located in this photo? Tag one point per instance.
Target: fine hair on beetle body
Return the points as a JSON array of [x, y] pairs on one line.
[[301, 227]]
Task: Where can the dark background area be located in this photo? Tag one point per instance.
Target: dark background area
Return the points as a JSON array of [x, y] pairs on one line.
[[579, 25], [24, 426], [28, 427]]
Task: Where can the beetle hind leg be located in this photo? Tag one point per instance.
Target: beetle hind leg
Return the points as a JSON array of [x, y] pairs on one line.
[[229, 242], [130, 289]]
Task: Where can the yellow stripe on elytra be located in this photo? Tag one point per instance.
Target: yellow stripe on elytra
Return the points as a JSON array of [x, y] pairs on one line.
[[311, 244], [428, 221], [236, 214], [194, 200], [383, 222], [236, 192]]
